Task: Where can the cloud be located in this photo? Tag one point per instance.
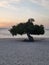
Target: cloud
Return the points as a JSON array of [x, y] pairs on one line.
[[44, 3], [3, 3], [7, 3]]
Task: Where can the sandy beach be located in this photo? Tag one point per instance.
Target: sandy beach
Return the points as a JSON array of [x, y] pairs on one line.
[[17, 52]]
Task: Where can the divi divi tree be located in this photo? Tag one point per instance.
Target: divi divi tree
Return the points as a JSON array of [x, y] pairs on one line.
[[27, 28]]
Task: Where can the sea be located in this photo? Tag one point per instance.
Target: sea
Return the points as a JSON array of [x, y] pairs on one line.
[[4, 33]]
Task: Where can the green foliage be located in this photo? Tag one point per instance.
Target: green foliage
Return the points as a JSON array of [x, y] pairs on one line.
[[31, 20], [27, 28], [13, 30], [38, 29]]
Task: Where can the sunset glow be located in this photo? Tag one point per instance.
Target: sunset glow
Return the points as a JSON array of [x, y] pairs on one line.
[[16, 11]]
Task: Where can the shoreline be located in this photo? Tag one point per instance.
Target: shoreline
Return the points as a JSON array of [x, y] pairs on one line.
[[40, 39]]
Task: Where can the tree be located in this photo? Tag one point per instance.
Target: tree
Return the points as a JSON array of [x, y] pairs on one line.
[[27, 28]]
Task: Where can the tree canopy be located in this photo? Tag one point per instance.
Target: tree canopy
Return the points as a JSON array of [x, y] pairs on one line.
[[27, 28]]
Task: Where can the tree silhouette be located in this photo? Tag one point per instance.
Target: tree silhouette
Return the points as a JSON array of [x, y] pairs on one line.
[[27, 28]]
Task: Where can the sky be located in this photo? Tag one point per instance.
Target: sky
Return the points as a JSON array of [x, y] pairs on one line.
[[15, 11]]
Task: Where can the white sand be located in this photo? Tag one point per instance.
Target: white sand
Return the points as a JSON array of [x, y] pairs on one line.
[[16, 52]]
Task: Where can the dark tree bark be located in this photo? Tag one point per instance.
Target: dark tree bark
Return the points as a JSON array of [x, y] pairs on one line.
[[30, 37]]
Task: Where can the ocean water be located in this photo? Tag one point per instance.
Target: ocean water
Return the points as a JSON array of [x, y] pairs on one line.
[[4, 33]]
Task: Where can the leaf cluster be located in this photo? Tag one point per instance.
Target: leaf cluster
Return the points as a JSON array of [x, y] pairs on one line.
[[28, 27]]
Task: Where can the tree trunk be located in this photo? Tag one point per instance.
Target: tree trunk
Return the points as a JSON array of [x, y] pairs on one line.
[[30, 37]]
